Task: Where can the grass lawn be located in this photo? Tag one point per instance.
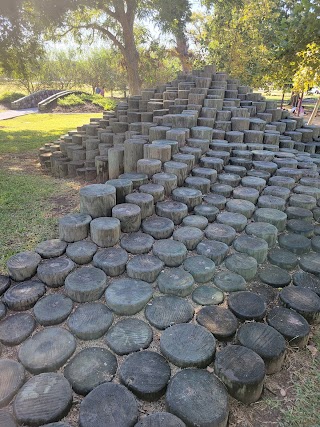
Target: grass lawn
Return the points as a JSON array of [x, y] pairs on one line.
[[31, 202]]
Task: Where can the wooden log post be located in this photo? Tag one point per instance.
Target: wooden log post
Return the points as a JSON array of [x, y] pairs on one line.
[[115, 163], [133, 151]]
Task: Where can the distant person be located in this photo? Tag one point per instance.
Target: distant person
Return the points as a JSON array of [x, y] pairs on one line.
[[102, 91], [97, 90]]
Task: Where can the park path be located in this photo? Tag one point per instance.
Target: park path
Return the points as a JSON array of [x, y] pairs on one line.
[[10, 114]]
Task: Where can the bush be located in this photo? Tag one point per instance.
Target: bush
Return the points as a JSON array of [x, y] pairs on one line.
[[7, 97], [106, 103], [70, 101]]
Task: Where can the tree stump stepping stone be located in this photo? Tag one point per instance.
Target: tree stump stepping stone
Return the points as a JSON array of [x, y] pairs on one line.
[[7, 420], [208, 173], [166, 311], [144, 267], [144, 201], [206, 210], [243, 207], [246, 193], [307, 280], [189, 236], [47, 350], [268, 343], [169, 181], [175, 281], [253, 182], [51, 248], [89, 368], [53, 272], [247, 305], [222, 189], [310, 263], [315, 243], [218, 320], [200, 267], [300, 227], [109, 405], [216, 251], [283, 258], [85, 284], [11, 379], [263, 230], [146, 374], [105, 232], [173, 210], [294, 243], [90, 321], [122, 186], [4, 283], [137, 243], [129, 335], [74, 227], [271, 202], [160, 419], [190, 196], [171, 252], [24, 295], [158, 227], [303, 300], [229, 282], [198, 398], [129, 216], [198, 221], [23, 265], [282, 181], [179, 169], [97, 200], [299, 213], [271, 216], [52, 309], [187, 345], [128, 296], [291, 325], [199, 183], [81, 252], [43, 399], [280, 192], [242, 264], [303, 201], [156, 191], [229, 179], [220, 232], [234, 220], [207, 295], [216, 200], [242, 371], [253, 246], [137, 179], [111, 260], [274, 276], [16, 328]]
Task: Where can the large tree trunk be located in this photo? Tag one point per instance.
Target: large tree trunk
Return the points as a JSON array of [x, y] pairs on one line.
[[130, 53], [182, 50]]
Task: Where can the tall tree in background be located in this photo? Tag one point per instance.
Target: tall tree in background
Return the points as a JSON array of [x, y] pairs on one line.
[[172, 17]]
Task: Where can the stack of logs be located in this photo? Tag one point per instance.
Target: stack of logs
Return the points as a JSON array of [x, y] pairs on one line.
[[199, 111]]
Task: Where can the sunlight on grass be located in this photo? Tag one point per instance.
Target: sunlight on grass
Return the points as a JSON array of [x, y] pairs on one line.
[[32, 131]]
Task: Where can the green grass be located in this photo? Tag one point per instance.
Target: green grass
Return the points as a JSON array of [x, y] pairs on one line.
[[30, 132], [28, 210], [305, 411]]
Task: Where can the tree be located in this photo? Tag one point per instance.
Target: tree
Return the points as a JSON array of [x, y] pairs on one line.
[[172, 16]]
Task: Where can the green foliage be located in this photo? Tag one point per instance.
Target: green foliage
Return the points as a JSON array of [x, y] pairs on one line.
[[70, 101], [75, 100], [7, 97]]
